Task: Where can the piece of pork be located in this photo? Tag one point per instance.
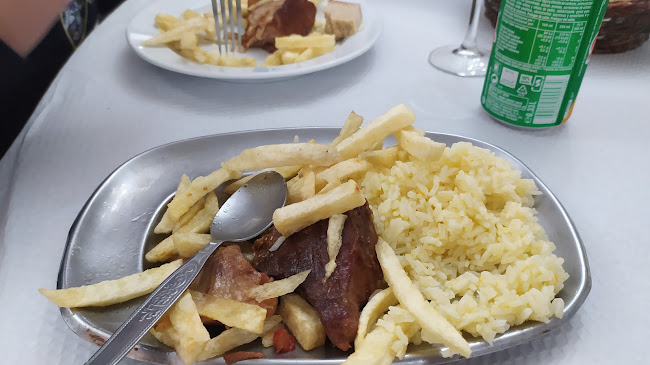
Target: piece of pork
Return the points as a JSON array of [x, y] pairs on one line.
[[339, 300], [228, 274], [277, 18]]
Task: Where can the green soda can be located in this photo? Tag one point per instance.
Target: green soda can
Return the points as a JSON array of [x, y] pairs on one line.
[[539, 57]]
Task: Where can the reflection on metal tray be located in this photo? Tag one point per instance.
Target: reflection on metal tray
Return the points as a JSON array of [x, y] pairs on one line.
[[115, 228]]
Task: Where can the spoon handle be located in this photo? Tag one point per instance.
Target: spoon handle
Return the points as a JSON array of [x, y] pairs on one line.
[[150, 311]]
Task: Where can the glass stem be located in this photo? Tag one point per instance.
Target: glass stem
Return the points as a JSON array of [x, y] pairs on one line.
[[470, 37]]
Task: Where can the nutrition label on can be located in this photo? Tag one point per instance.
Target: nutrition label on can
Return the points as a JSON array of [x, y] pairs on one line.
[[537, 46]]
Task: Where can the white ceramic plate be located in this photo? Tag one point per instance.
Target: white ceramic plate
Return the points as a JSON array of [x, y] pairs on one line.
[[142, 27]]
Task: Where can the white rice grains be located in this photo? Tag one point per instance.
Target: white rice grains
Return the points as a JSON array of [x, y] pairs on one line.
[[466, 233]]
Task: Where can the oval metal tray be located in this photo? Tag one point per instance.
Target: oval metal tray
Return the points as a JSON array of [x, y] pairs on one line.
[[114, 229]]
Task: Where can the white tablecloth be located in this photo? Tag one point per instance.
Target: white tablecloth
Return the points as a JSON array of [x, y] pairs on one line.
[[107, 105]]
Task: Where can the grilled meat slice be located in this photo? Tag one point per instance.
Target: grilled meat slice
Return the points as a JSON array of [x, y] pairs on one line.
[[228, 274], [277, 18], [338, 301]]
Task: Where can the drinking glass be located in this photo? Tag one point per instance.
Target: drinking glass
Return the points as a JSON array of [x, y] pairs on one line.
[[468, 59]]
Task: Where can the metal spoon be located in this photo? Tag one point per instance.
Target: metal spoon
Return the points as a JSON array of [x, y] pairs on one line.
[[245, 215]]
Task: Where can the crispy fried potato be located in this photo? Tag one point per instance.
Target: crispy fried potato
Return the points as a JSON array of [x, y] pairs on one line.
[[199, 188], [351, 125], [111, 291], [313, 40], [344, 170], [375, 308], [278, 288], [420, 147], [230, 312], [381, 345], [334, 241], [289, 57], [166, 22], [308, 188], [234, 337], [283, 155], [383, 158], [165, 332], [295, 217], [192, 335], [188, 244], [201, 221], [329, 187], [388, 123], [189, 14], [286, 171], [294, 190], [189, 40], [274, 59], [167, 223], [411, 298], [189, 215], [163, 251], [303, 321], [193, 25]]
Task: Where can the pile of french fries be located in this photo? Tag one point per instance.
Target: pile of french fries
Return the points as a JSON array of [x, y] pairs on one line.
[[322, 184], [186, 35], [192, 32]]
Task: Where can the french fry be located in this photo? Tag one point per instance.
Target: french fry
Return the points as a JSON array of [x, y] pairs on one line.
[[420, 147], [411, 298], [167, 223], [230, 312], [189, 40], [351, 125], [234, 337], [190, 214], [379, 345], [174, 34], [312, 40], [308, 188], [274, 59], [344, 170], [390, 122], [165, 332], [375, 308], [199, 187], [330, 186], [286, 171], [289, 57], [188, 244], [334, 241], [278, 288], [192, 335], [163, 251], [189, 14], [383, 158], [283, 155], [111, 291], [294, 190], [201, 221], [295, 217], [166, 22], [302, 320]]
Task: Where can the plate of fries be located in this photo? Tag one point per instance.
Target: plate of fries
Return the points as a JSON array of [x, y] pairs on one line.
[[141, 223], [179, 36]]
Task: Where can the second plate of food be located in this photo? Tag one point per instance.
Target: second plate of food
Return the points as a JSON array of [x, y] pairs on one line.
[[143, 27]]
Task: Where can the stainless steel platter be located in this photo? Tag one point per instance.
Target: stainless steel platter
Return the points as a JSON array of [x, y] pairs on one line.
[[115, 228]]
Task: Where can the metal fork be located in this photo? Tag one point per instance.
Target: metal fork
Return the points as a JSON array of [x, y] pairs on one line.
[[228, 25]]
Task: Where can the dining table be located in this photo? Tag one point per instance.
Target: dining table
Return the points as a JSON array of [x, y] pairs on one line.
[[107, 105]]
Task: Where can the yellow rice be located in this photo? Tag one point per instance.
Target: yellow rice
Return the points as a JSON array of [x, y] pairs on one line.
[[465, 230]]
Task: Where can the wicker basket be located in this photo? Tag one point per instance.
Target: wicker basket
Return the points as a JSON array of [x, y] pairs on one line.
[[626, 24]]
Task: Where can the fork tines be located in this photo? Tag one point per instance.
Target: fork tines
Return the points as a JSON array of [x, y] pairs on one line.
[[228, 13]]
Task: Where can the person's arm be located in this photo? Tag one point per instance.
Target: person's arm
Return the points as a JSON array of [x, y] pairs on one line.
[[23, 23]]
